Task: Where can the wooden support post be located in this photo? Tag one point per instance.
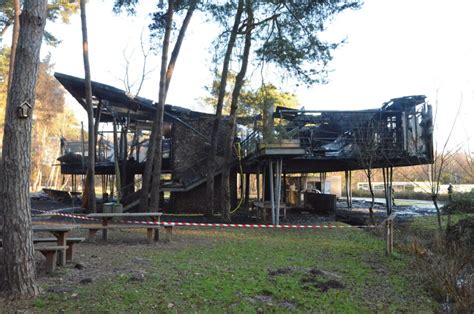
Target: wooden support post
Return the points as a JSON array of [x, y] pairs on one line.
[[389, 234], [391, 237]]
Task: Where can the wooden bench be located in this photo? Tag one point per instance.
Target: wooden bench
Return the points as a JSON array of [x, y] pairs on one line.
[[70, 242], [108, 217], [60, 232], [149, 228], [51, 253], [93, 229]]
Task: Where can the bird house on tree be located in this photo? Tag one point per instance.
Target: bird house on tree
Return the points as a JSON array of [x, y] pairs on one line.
[[23, 110]]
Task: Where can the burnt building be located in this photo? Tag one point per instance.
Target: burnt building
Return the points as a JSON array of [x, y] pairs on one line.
[[279, 142]]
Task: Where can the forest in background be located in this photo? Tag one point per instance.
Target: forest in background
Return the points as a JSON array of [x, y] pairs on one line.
[[52, 119]]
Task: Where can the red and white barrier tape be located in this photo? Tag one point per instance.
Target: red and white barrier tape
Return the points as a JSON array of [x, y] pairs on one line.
[[217, 225], [225, 225], [44, 212]]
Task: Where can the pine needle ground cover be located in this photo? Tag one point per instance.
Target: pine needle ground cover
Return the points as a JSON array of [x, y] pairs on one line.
[[235, 270]]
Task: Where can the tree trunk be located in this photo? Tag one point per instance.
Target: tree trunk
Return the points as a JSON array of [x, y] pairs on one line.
[[211, 163], [15, 35], [154, 153], [372, 200], [229, 141], [434, 198], [178, 44], [90, 177], [155, 180], [18, 251]]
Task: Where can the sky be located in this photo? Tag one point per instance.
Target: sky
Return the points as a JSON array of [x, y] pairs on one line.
[[393, 48]]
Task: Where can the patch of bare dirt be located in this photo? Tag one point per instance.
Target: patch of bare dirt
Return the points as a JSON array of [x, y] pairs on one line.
[[311, 278], [322, 280], [127, 253]]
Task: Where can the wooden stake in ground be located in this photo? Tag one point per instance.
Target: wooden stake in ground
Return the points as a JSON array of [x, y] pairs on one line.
[[18, 252]]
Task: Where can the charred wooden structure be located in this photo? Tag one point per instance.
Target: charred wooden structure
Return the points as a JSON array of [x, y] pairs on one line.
[[285, 141]]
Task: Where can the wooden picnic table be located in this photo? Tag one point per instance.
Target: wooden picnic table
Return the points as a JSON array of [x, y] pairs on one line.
[[107, 217], [60, 231]]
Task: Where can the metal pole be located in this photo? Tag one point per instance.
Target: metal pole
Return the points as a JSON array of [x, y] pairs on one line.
[[272, 197], [346, 177], [350, 189], [278, 190]]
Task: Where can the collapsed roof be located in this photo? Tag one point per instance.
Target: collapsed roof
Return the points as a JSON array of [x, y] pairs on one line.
[[119, 104]]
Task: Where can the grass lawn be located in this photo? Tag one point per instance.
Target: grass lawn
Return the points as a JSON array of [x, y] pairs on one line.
[[235, 270]]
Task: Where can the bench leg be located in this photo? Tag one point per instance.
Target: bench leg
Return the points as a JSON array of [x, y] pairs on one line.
[[50, 261], [92, 233], [104, 234], [70, 252], [149, 234], [156, 235], [169, 233], [105, 223], [61, 255]]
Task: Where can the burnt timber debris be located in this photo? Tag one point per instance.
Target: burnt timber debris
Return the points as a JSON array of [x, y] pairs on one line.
[[271, 146]]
